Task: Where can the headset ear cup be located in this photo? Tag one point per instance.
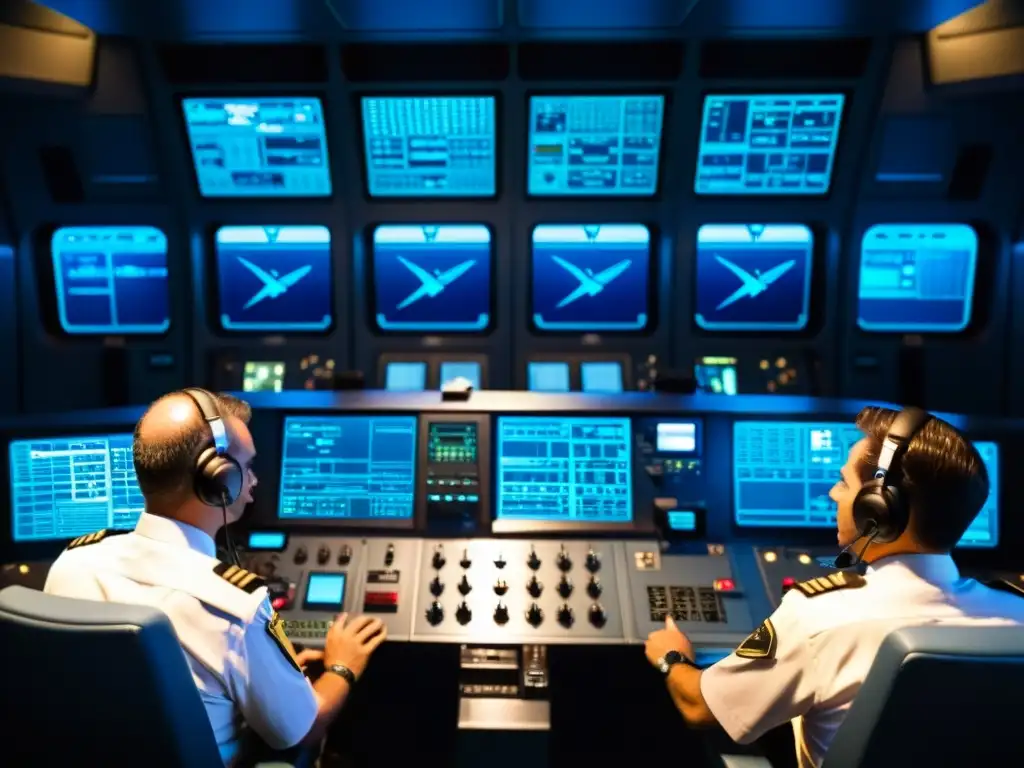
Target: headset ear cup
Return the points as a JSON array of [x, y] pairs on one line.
[[218, 478]]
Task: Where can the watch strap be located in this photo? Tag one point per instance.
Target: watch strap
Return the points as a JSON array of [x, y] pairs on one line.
[[342, 671], [672, 658]]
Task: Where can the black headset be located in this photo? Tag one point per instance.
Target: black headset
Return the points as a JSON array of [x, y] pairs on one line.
[[880, 509], [217, 477]]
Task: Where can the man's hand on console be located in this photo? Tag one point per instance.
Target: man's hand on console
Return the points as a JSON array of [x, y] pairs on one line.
[[661, 641], [308, 656], [351, 643]]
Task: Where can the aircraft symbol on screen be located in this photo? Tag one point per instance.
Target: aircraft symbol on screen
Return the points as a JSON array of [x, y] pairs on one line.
[[432, 284], [753, 284], [273, 284], [590, 284]]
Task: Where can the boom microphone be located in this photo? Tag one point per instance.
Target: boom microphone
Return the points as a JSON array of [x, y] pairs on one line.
[[847, 559]]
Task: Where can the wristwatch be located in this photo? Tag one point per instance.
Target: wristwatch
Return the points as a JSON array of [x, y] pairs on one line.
[[342, 671], [666, 662]]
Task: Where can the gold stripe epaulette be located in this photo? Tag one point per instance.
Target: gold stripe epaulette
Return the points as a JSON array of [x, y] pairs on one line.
[[93, 538], [239, 577], [830, 583]]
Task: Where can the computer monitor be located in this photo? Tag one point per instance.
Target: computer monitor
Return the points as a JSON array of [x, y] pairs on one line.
[[547, 376], [430, 146], [753, 277], [716, 375], [275, 279], [258, 146], [595, 146], [432, 278], [917, 278], [601, 377], [591, 277], [768, 143], [63, 487], [405, 376], [465, 369], [783, 472], [564, 469], [111, 280], [348, 468]]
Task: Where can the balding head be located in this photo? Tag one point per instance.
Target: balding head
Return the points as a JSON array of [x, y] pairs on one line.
[[169, 437]]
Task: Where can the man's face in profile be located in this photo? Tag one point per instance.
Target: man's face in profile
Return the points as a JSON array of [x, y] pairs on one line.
[[241, 447], [845, 491]]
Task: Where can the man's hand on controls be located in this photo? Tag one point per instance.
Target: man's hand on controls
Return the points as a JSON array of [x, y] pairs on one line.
[[661, 641], [351, 643]]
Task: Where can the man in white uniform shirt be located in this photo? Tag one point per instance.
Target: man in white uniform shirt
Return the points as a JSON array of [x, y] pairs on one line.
[[193, 457], [906, 495]]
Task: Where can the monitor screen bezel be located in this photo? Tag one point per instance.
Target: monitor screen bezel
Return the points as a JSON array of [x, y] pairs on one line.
[[666, 105], [364, 161], [245, 92]]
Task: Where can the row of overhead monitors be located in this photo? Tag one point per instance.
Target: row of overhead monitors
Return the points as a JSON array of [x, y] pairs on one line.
[[782, 472], [585, 278], [581, 145]]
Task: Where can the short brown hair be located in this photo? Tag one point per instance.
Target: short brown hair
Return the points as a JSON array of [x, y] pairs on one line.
[[942, 476], [164, 467]]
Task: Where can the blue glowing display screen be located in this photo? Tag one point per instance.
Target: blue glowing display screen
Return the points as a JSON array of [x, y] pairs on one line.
[[601, 377], [768, 144], [274, 279], [547, 377], [432, 277], [267, 540], [753, 277], [405, 376], [917, 278], [111, 280], [430, 146], [258, 147], [565, 469], [682, 520], [348, 467], [591, 277], [464, 369], [595, 146], [783, 472], [63, 487], [325, 591]]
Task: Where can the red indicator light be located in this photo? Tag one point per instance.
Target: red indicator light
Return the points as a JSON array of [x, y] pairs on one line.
[[279, 602], [382, 598], [724, 585]]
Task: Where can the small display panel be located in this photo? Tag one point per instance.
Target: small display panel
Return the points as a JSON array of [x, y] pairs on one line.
[[595, 146], [325, 592], [430, 277], [267, 541], [451, 443], [461, 369], [111, 280], [600, 377], [63, 487], [753, 277], [430, 146], [258, 147], [348, 467], [917, 278], [561, 469], [676, 437], [591, 277], [682, 520], [716, 375], [547, 377], [783, 472], [406, 377], [274, 279], [768, 144], [263, 377]]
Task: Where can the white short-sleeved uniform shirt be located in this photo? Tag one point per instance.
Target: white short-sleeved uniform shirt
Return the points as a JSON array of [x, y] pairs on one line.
[[825, 644], [244, 675]]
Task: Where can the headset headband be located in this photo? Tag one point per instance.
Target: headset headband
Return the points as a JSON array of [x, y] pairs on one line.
[[207, 405], [908, 423]]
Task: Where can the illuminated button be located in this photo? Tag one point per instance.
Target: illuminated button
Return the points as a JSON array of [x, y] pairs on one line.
[[804, 559], [278, 603], [788, 583], [770, 557], [724, 585], [381, 598]]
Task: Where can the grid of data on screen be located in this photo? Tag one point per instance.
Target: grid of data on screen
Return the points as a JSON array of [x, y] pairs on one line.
[[348, 467], [63, 487], [560, 469], [595, 146], [917, 278], [111, 280], [430, 146], [258, 147], [768, 144]]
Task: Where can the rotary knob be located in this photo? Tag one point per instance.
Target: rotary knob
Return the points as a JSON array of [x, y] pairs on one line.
[[500, 562], [500, 587], [345, 555], [323, 555], [564, 588], [597, 615], [534, 587], [464, 586], [563, 561], [301, 555], [438, 560], [594, 588], [435, 613], [462, 614], [436, 587], [501, 614], [565, 616], [593, 561], [465, 562], [534, 615], [533, 562]]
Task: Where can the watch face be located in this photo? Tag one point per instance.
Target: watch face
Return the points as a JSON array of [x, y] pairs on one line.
[[673, 657]]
